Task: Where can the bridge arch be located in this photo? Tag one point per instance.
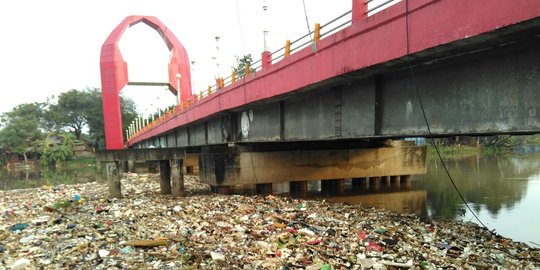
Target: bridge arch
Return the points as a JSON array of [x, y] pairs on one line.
[[114, 74]]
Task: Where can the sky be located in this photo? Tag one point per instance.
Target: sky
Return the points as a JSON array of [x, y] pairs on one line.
[[50, 47]]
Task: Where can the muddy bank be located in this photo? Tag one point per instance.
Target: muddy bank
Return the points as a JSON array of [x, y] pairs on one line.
[[76, 226]]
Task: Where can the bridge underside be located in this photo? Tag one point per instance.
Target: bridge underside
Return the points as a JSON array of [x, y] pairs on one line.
[[489, 89]]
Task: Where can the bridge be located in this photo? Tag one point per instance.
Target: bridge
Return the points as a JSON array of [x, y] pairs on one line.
[[331, 104]]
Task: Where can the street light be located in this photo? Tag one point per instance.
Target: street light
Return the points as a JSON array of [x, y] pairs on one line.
[[178, 95]]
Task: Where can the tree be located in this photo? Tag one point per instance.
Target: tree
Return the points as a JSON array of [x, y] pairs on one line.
[[96, 128], [21, 127], [56, 149], [80, 110], [241, 63], [69, 114]]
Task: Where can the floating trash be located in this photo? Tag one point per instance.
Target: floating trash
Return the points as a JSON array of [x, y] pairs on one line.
[[77, 226]]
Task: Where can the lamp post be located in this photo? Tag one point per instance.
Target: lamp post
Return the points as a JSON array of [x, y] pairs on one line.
[[178, 93]]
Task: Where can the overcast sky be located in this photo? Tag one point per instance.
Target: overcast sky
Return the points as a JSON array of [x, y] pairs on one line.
[[49, 47]]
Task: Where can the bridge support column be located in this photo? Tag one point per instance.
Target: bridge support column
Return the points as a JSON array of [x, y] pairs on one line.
[[375, 183], [165, 177], [387, 180], [177, 178], [113, 180], [396, 180], [131, 165], [99, 171]]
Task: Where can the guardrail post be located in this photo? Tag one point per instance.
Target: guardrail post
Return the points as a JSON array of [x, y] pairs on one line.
[[317, 33], [287, 48], [266, 59], [233, 76], [247, 70], [359, 10], [221, 82]]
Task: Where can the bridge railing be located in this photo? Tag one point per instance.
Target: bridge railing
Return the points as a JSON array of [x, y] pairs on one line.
[[309, 39]]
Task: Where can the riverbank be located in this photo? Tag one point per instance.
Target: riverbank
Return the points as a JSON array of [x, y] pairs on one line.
[[76, 226]]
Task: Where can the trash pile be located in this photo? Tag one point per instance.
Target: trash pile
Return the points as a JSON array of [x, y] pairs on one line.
[[77, 227]]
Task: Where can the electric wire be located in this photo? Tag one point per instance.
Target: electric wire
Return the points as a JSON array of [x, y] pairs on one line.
[[415, 86], [307, 21], [244, 89]]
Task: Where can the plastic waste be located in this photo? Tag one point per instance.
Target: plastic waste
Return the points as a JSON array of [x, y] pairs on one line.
[[19, 227], [21, 263]]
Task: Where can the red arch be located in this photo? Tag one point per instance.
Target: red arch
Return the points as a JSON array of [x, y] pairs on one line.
[[114, 75]]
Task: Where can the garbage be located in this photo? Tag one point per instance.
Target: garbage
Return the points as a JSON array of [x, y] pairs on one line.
[[77, 226], [19, 227], [148, 243], [20, 264]]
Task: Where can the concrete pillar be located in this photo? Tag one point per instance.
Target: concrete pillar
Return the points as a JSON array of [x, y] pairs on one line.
[[113, 180], [99, 171], [339, 185], [406, 181], [396, 180], [375, 183], [131, 165], [165, 177], [387, 180], [177, 178], [264, 189], [298, 188]]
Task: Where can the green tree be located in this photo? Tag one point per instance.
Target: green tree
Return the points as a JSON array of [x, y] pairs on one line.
[[69, 113], [56, 149], [21, 127], [79, 110], [96, 128], [241, 63]]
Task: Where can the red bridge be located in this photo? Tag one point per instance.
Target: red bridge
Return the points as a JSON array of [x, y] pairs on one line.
[[418, 68]]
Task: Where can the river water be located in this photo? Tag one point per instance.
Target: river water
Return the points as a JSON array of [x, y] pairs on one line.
[[502, 190]]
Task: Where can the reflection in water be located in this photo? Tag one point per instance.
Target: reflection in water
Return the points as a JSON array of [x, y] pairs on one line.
[[503, 191], [33, 178], [385, 195]]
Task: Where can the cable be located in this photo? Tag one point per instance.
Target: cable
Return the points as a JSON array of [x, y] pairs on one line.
[[244, 86], [427, 122], [307, 21]]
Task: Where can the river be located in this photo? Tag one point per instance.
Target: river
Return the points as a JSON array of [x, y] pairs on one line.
[[503, 191]]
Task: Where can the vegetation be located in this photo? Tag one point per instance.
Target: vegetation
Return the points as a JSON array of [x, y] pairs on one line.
[[241, 63], [52, 128], [487, 145], [21, 127]]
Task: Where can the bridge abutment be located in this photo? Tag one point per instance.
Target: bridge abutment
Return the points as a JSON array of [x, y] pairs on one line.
[[242, 165]]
